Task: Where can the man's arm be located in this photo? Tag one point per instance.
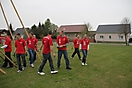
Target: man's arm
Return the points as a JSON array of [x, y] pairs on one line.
[[4, 46], [41, 46]]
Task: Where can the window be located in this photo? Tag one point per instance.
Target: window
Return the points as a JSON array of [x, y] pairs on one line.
[[109, 37], [101, 37], [120, 37]]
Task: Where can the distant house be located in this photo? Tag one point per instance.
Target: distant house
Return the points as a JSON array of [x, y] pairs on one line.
[[71, 30], [111, 33], [21, 31]]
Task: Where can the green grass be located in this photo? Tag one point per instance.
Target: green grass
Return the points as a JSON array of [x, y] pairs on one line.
[[109, 66]]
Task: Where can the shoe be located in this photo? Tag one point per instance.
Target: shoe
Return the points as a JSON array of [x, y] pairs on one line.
[[10, 67], [4, 66], [68, 68], [58, 68], [41, 73], [32, 65], [19, 71], [23, 68], [83, 64], [80, 58], [54, 72]]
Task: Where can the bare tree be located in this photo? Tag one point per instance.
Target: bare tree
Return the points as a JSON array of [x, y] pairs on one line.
[[87, 29], [125, 28]]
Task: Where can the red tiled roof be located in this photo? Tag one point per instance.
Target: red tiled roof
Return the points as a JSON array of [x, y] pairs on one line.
[[71, 28]]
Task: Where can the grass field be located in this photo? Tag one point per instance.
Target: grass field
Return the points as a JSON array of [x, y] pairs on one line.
[[109, 66]]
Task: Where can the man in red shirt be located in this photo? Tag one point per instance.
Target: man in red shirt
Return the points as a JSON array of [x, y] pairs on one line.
[[35, 48], [47, 45], [20, 52], [76, 43], [84, 47], [31, 46], [8, 48], [62, 42]]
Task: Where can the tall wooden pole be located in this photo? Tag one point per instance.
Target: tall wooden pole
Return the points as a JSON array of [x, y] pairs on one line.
[[8, 59], [2, 71], [6, 21], [23, 25], [10, 33], [19, 18]]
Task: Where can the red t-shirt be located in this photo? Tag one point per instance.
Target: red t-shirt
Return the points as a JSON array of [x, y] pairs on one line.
[[84, 43], [47, 42], [31, 42], [9, 45], [76, 42], [35, 43], [62, 41], [20, 46]]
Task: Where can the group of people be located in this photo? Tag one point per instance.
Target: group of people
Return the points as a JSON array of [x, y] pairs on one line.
[[47, 45]]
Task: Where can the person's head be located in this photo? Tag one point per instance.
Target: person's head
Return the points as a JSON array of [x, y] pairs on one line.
[[34, 36], [50, 32], [61, 33], [85, 36], [5, 35], [78, 36], [31, 34], [18, 36]]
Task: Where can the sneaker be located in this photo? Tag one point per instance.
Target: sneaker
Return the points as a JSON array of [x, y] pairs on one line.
[[83, 64], [32, 65], [72, 58], [4, 66], [41, 73], [80, 58], [54, 72], [23, 68], [68, 68], [19, 71], [58, 68]]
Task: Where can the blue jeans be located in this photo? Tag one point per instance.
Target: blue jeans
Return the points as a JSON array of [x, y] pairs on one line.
[[45, 58], [31, 54], [64, 52], [84, 56], [21, 57]]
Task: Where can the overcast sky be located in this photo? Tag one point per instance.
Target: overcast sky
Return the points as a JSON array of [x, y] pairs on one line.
[[62, 12]]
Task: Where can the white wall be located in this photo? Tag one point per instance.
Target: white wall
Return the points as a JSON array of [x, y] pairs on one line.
[[114, 37]]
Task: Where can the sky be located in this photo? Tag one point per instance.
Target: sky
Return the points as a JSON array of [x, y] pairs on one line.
[[66, 12]]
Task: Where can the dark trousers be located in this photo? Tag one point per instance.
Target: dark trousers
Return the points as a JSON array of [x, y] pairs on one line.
[[45, 58], [31, 54], [76, 51], [64, 52], [34, 56], [84, 56], [21, 57], [8, 54]]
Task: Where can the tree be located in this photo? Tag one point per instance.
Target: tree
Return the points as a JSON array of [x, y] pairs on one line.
[[47, 26], [54, 28], [125, 28], [12, 31], [11, 28], [87, 29]]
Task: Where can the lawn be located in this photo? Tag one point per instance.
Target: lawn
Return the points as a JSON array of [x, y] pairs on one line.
[[109, 66]]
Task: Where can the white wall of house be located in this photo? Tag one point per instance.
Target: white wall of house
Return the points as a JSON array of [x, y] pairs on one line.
[[110, 37]]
